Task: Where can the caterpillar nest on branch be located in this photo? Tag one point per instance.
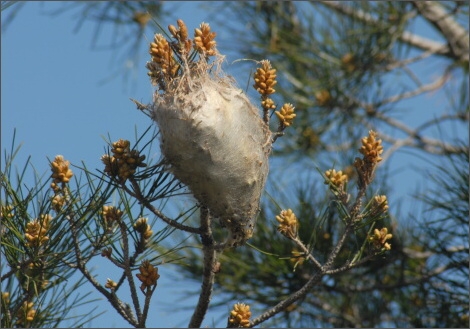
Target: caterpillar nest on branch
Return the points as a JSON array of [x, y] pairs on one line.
[[217, 145], [211, 135]]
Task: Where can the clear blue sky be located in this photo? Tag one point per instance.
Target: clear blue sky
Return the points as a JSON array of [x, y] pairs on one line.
[[52, 94]]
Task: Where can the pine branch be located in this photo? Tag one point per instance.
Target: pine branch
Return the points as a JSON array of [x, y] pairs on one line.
[[414, 139], [316, 277], [351, 265], [302, 292], [406, 37], [422, 89], [137, 193], [307, 252], [334, 314], [424, 278], [456, 35], [210, 259], [127, 268], [118, 305], [148, 296]]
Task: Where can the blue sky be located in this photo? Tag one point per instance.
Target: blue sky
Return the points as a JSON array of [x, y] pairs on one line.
[[52, 93]]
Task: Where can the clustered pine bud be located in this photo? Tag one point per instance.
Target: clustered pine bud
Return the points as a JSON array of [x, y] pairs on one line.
[[5, 298], [124, 161], [337, 179], [349, 62], [286, 115], [26, 313], [6, 212], [163, 65], [371, 150], [379, 239], [268, 104], [169, 58], [378, 206], [323, 97], [288, 223], [111, 216], [183, 44], [204, 42], [110, 284], [265, 79], [381, 202], [239, 316], [141, 18], [58, 202], [143, 228], [148, 275], [298, 257], [61, 173], [36, 231]]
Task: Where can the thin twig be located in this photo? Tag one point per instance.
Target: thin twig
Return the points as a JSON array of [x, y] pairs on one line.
[[406, 37], [337, 249], [355, 208], [307, 252], [316, 277], [442, 118], [349, 266], [120, 281], [333, 314], [132, 260], [405, 62], [18, 268], [127, 268], [414, 139], [115, 262], [423, 89], [138, 195], [403, 283], [111, 297], [276, 135], [148, 296]]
